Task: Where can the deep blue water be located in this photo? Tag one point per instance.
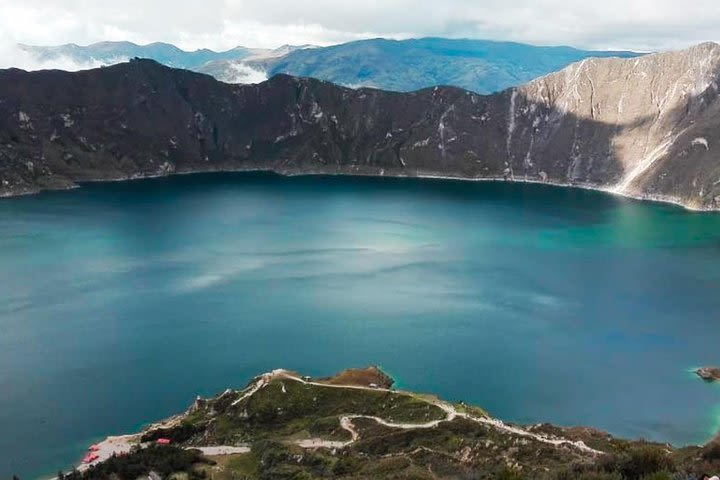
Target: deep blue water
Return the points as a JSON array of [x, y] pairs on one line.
[[119, 303]]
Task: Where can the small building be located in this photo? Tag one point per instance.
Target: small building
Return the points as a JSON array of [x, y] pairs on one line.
[[90, 457], [163, 441]]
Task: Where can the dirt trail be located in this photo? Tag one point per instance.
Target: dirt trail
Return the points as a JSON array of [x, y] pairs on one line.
[[450, 411], [222, 450]]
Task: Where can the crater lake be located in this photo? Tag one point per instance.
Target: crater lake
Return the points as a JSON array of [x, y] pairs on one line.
[[120, 302]]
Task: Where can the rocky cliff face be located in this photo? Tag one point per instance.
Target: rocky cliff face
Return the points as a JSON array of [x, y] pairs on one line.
[[644, 127]]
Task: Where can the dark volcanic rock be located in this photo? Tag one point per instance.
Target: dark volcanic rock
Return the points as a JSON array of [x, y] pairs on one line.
[[709, 374], [643, 127]]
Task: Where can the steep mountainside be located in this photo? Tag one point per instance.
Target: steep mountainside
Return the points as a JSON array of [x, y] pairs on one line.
[[480, 66], [645, 127], [642, 127]]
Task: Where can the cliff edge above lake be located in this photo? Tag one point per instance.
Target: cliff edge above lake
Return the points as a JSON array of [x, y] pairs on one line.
[[644, 127]]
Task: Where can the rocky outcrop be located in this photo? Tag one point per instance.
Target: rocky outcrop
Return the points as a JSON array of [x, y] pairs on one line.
[[709, 374], [371, 376], [644, 127]]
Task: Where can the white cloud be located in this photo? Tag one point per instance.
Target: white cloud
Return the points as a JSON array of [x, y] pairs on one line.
[[11, 55], [632, 24], [243, 73]]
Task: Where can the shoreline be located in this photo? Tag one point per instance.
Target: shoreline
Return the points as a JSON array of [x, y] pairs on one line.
[[659, 199]]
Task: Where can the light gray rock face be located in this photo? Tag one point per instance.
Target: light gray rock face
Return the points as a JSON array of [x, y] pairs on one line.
[[646, 127]]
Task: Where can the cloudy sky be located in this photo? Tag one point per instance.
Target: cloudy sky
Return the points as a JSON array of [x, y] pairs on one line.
[[219, 24]]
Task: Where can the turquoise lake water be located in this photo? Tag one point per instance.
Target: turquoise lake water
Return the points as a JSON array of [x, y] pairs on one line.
[[119, 303]]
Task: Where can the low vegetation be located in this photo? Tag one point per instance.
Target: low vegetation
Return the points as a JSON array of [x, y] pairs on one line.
[[361, 377], [163, 461], [406, 457], [287, 409]]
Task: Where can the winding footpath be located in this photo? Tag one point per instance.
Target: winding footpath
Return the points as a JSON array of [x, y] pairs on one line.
[[450, 411]]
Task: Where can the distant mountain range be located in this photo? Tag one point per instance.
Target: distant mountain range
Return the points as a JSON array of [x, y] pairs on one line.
[[110, 53], [481, 66], [645, 127]]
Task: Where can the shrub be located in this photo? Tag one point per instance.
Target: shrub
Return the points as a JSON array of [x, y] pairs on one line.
[[506, 473], [570, 474], [177, 434], [711, 452], [346, 466], [658, 476], [644, 461], [165, 460]]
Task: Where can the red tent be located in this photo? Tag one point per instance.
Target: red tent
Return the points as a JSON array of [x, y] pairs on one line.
[[163, 441]]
